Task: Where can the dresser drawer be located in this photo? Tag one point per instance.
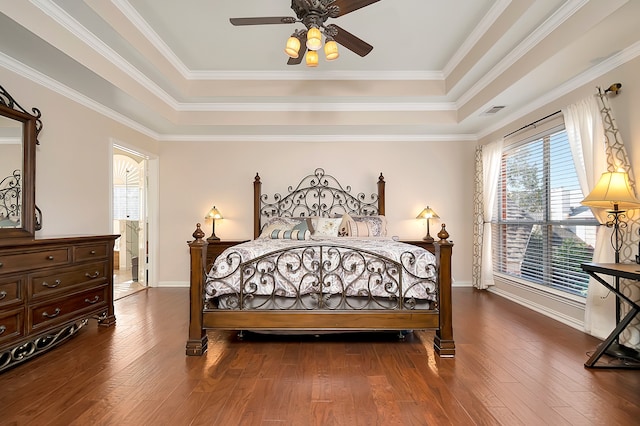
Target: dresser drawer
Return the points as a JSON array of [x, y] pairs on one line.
[[91, 252], [73, 307], [64, 280], [11, 290], [11, 325], [34, 260]]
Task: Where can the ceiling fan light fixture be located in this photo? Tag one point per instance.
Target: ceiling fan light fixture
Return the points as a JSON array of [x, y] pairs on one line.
[[314, 39], [293, 47], [312, 58], [331, 50]]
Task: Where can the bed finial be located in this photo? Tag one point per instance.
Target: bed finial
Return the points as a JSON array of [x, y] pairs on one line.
[[198, 234], [381, 178], [257, 178], [443, 234]]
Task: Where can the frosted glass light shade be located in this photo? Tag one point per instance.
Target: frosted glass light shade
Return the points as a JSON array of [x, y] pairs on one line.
[[314, 39], [331, 50], [612, 191], [312, 58], [214, 213], [293, 47]]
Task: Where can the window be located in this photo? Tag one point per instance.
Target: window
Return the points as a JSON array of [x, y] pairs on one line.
[[542, 233]]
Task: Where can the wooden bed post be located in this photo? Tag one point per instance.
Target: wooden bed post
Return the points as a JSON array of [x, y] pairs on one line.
[[381, 185], [197, 343], [443, 342], [257, 190]]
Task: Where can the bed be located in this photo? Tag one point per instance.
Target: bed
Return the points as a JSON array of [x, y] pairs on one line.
[[321, 261]]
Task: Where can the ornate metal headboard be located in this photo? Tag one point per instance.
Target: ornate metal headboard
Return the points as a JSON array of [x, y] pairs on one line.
[[317, 194]]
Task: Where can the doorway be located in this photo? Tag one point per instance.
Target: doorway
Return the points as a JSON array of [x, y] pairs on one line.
[[130, 220]]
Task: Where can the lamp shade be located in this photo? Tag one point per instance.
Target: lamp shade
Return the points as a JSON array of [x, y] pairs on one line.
[[331, 50], [427, 213], [312, 58], [613, 190], [214, 213], [293, 47], [314, 39]]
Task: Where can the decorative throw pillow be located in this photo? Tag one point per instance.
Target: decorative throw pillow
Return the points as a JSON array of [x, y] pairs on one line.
[[326, 226], [363, 226], [281, 223], [293, 234], [304, 225]]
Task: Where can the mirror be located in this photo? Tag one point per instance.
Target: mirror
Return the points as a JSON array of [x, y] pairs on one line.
[[18, 138]]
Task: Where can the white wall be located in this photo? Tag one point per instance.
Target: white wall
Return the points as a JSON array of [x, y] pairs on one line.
[[194, 176], [73, 160]]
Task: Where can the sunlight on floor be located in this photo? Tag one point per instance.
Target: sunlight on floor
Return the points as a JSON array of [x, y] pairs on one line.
[[123, 284]]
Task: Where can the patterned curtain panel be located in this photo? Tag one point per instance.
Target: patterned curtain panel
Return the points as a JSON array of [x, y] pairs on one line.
[[478, 222], [617, 159]]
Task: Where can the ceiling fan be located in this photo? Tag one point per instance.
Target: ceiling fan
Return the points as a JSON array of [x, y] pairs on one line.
[[314, 14]]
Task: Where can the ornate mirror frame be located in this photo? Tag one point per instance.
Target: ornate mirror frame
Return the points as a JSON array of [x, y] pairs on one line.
[[31, 126]]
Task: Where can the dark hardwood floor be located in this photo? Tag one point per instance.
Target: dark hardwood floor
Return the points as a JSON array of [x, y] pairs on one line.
[[513, 367]]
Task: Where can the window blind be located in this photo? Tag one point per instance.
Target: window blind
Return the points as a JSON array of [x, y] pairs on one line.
[[542, 233]]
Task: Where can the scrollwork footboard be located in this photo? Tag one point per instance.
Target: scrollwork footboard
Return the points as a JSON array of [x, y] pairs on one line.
[[323, 276]]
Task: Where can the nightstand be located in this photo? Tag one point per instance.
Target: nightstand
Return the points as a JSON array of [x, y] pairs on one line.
[[421, 243], [215, 248]]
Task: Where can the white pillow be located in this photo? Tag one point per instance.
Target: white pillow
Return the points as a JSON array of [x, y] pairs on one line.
[[326, 226]]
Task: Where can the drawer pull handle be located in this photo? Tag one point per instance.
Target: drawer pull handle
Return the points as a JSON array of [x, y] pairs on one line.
[[0, 264], [54, 285], [92, 252], [49, 257], [95, 299], [3, 294], [96, 274], [2, 329], [53, 315]]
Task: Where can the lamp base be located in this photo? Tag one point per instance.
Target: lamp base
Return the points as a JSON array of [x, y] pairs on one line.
[[213, 238], [428, 238]]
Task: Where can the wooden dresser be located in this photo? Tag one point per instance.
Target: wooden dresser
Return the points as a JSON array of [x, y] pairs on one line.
[[49, 288]]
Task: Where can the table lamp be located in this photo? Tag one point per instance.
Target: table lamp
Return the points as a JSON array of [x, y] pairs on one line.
[[427, 214], [614, 192], [213, 214]]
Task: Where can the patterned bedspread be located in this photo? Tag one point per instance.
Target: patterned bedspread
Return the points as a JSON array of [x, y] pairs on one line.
[[349, 267]]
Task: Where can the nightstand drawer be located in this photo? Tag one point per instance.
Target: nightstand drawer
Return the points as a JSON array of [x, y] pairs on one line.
[[90, 252], [67, 279], [11, 290], [11, 325], [69, 307], [33, 260]]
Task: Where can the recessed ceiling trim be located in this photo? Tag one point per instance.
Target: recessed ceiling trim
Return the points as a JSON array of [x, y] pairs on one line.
[[320, 138], [483, 26], [78, 30], [628, 54], [147, 31], [54, 85], [562, 14], [317, 106], [317, 75]]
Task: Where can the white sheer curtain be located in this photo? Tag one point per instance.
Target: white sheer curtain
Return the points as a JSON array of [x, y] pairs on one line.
[[491, 157], [585, 132]]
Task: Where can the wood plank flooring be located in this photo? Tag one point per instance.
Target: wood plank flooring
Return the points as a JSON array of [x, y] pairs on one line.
[[513, 367]]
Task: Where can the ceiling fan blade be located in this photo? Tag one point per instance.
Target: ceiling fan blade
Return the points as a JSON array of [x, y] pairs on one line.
[[351, 42], [348, 6], [263, 20], [303, 50]]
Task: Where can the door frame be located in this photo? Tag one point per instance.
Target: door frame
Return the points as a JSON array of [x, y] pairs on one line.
[[152, 202]]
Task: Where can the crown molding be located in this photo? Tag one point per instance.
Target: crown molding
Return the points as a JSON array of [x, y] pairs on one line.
[[321, 138], [580, 80]]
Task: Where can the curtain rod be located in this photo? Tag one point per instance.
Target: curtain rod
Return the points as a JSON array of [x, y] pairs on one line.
[[532, 124]]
